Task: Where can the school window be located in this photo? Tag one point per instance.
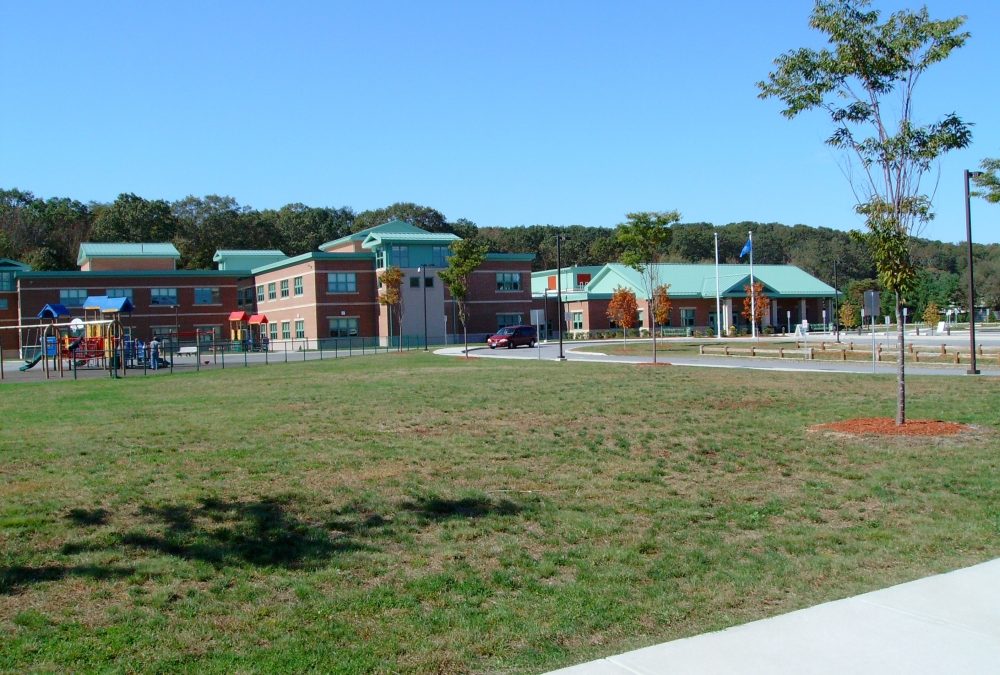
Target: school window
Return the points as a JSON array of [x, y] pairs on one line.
[[7, 281], [260, 293], [642, 318], [344, 326], [4, 304], [162, 332], [508, 281], [577, 320], [207, 296], [286, 330], [429, 282], [414, 282], [439, 256], [274, 330], [399, 256], [508, 320], [687, 316], [163, 296], [284, 288], [72, 297], [300, 328], [297, 286], [342, 282], [119, 293], [271, 292]]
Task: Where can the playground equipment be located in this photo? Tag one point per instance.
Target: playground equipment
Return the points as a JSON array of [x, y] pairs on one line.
[[258, 332], [238, 330], [59, 344]]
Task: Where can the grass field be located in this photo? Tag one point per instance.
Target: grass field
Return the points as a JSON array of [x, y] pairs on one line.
[[418, 513]]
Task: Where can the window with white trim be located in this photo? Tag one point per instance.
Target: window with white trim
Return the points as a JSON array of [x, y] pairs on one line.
[[72, 297], [273, 328], [284, 288], [271, 290], [687, 316], [508, 281], [297, 287], [344, 326], [286, 330], [260, 293], [399, 256], [577, 320], [300, 328], [341, 282], [207, 296], [163, 296]]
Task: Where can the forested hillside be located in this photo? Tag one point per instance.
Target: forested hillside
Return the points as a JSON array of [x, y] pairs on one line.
[[46, 234]]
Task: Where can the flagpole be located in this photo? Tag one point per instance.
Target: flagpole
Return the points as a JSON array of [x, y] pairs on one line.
[[753, 295], [718, 301]]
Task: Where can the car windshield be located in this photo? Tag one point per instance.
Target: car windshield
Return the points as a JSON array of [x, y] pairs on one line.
[[505, 331]]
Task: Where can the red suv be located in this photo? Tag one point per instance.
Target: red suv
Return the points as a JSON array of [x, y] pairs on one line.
[[513, 336]]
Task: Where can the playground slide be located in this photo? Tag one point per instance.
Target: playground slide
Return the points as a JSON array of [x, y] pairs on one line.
[[28, 365]]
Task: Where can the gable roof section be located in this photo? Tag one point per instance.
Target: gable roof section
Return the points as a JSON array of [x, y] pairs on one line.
[[8, 265], [312, 255], [91, 250], [246, 259], [396, 226], [420, 238], [698, 281]]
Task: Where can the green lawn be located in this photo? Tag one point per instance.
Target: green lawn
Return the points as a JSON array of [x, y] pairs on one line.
[[418, 513]]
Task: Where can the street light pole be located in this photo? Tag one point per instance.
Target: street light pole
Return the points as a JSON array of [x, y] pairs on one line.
[[562, 318], [423, 284], [972, 283], [836, 298]]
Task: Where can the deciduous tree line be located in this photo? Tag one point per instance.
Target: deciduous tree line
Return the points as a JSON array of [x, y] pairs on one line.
[[46, 234]]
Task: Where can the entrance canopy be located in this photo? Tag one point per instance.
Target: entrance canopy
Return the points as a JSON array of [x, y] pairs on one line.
[[238, 316], [258, 319]]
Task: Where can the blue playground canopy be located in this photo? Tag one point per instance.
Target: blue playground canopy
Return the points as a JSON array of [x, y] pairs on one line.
[[53, 311], [108, 305]]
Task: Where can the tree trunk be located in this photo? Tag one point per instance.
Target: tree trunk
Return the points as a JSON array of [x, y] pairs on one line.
[[900, 367], [465, 334], [652, 314]]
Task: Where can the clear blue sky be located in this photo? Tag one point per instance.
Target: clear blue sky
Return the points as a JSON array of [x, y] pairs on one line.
[[505, 113]]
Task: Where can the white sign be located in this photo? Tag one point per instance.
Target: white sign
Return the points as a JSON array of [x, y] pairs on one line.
[[537, 317]]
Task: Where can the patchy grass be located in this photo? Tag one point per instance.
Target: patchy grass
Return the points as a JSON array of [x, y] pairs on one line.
[[429, 514]]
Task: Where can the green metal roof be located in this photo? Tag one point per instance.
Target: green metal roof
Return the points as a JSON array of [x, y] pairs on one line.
[[138, 274], [90, 250], [247, 259], [420, 238], [698, 281], [516, 257], [312, 255], [9, 264], [397, 226]]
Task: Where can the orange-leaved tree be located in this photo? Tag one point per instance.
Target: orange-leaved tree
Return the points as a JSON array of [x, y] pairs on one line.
[[623, 309], [755, 305], [391, 295], [661, 306]]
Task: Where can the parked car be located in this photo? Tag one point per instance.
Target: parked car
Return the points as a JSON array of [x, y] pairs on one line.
[[513, 336]]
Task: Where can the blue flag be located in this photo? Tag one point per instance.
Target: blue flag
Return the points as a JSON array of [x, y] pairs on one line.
[[747, 248]]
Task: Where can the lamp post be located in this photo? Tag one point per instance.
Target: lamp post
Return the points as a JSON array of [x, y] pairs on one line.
[[562, 318], [972, 283], [423, 285]]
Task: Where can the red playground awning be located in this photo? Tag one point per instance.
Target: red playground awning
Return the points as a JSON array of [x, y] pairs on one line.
[[258, 318], [238, 316]]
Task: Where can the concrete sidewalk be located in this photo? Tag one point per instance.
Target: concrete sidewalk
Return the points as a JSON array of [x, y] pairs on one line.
[[949, 623]]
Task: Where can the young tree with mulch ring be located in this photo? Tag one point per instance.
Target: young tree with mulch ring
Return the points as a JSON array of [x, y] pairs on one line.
[[661, 306], [849, 316], [931, 315], [623, 310]]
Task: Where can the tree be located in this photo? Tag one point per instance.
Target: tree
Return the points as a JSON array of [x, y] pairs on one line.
[[644, 240], [623, 309], [931, 315], [391, 295], [423, 217], [304, 228], [131, 218], [662, 304], [466, 256], [755, 304], [849, 315], [866, 82], [989, 180]]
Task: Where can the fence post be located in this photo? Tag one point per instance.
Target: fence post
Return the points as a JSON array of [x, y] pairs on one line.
[[286, 350], [197, 347], [304, 349], [319, 344], [244, 357]]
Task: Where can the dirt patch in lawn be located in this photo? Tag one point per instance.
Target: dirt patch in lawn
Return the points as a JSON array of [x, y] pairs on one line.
[[886, 426]]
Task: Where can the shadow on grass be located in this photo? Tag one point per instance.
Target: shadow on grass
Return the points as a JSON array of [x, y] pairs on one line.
[[220, 532], [14, 577], [438, 508], [87, 517]]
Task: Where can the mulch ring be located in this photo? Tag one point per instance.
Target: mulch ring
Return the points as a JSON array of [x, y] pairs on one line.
[[886, 426]]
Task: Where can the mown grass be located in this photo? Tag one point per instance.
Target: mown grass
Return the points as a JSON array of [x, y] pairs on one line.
[[418, 513]]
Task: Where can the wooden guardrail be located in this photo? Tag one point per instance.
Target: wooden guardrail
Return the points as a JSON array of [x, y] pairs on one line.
[[841, 351]]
